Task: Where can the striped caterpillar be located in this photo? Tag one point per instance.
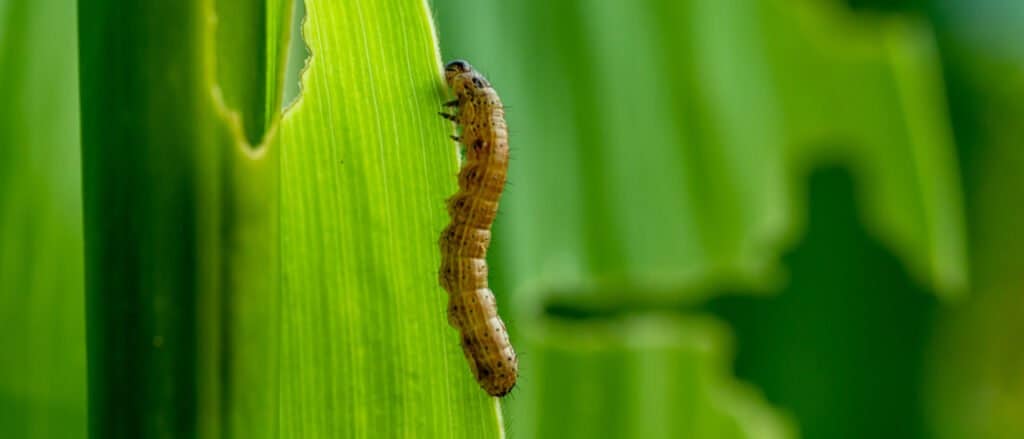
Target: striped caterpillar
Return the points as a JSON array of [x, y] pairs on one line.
[[471, 306]]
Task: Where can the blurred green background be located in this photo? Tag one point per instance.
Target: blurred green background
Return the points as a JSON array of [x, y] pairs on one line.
[[742, 218]]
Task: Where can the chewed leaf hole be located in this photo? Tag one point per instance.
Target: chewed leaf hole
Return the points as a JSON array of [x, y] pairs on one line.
[[298, 56]]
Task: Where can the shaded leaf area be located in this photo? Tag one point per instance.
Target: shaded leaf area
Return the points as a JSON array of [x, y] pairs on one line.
[[42, 314], [842, 347], [975, 386], [252, 84], [884, 6], [298, 53], [180, 215], [660, 152], [366, 167]]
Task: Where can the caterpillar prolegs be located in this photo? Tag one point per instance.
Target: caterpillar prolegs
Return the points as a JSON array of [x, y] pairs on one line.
[[471, 306]]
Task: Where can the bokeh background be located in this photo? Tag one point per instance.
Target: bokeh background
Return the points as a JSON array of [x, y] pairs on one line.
[[759, 217], [743, 218]]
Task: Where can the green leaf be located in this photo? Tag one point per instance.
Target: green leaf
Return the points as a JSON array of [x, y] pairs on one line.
[[181, 217], [42, 310], [868, 94], [656, 375], [366, 166]]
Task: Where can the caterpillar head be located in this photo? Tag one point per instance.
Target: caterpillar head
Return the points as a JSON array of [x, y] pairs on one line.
[[456, 68]]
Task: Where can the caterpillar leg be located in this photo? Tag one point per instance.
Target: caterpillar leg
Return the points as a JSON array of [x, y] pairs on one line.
[[450, 117], [456, 138], [452, 103]]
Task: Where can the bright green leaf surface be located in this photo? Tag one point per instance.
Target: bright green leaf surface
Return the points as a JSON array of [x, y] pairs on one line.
[[42, 314], [366, 166]]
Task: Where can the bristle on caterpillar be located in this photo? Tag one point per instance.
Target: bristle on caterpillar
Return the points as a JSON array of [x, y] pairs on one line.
[[463, 273]]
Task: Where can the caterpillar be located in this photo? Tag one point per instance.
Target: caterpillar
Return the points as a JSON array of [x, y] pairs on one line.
[[471, 306]]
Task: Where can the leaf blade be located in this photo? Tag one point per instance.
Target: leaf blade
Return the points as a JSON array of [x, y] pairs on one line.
[[366, 165]]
